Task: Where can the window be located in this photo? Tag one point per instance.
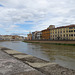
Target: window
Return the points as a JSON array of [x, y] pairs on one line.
[[63, 31], [70, 27], [67, 31], [51, 35], [60, 31], [64, 35], [71, 34], [70, 30]]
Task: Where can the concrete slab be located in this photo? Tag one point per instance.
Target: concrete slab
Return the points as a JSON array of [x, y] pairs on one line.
[[38, 65], [34, 60], [19, 54], [56, 69], [11, 51], [22, 56], [3, 55]]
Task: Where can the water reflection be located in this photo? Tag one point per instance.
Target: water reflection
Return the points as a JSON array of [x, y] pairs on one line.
[[63, 55]]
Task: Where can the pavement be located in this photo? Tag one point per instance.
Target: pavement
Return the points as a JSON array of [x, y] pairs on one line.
[[13, 62]]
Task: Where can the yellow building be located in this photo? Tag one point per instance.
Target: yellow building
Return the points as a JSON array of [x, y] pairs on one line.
[[63, 33]]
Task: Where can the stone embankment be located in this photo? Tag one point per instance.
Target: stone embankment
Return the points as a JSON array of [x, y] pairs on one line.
[[16, 63], [52, 42]]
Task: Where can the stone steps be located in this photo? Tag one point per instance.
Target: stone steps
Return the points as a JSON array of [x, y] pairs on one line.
[[41, 65]]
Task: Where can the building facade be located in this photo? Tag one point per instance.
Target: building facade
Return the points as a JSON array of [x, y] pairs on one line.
[[29, 36], [52, 33], [46, 34], [33, 35], [11, 37], [38, 35], [1, 38], [63, 33], [7, 37]]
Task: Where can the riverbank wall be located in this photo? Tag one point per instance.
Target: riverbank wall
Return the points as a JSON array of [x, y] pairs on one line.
[[52, 42], [36, 65]]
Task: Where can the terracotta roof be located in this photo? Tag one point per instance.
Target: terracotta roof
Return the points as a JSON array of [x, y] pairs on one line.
[[45, 29], [73, 25]]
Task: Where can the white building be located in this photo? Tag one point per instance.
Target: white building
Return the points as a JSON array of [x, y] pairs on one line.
[[38, 35]]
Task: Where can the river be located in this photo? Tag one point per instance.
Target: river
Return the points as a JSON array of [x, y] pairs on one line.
[[60, 54]]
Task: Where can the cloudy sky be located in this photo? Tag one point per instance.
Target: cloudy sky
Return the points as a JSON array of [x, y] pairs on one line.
[[23, 16]]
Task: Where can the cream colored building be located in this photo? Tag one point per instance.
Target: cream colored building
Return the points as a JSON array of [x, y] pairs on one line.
[[63, 33]]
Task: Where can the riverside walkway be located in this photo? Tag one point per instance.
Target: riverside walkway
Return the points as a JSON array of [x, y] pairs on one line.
[[13, 62]]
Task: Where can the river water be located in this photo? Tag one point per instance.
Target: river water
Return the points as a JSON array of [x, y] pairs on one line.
[[60, 54]]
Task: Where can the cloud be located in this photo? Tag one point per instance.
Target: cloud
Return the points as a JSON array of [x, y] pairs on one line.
[[18, 34], [11, 27], [41, 13]]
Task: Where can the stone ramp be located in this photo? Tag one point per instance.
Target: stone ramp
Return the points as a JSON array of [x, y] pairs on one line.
[[44, 67]]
